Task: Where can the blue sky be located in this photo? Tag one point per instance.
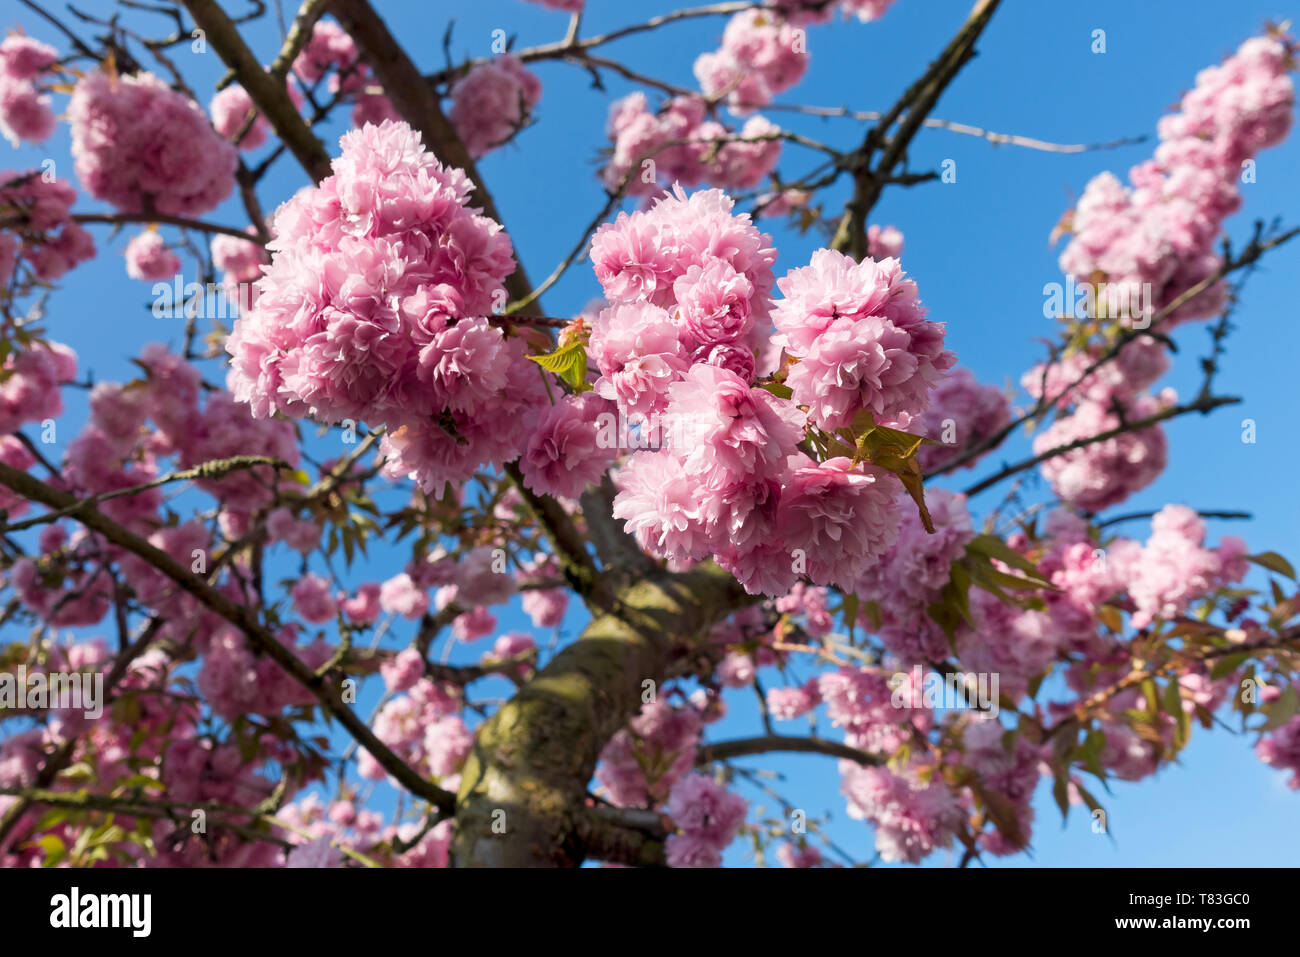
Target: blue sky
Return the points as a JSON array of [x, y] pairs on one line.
[[978, 249]]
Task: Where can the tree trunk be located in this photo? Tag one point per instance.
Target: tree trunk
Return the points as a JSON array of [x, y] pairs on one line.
[[522, 800]]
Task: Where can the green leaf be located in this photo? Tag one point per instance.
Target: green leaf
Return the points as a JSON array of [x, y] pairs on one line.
[[139, 781], [54, 816], [1002, 813], [1173, 699], [993, 547], [1282, 710], [1227, 665], [1093, 744], [1061, 791], [1153, 701], [872, 609], [850, 610], [569, 364], [1274, 563], [889, 449], [1088, 799], [1183, 731], [54, 848], [778, 389], [985, 574], [953, 606], [107, 835]]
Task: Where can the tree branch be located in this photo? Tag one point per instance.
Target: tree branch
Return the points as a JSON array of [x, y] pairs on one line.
[[1134, 516], [1204, 405], [208, 470], [121, 218], [532, 759], [918, 101], [239, 615], [417, 103], [1248, 257], [965, 129], [765, 744], [267, 92]]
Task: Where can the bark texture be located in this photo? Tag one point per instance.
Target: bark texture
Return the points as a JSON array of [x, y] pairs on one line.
[[522, 801]]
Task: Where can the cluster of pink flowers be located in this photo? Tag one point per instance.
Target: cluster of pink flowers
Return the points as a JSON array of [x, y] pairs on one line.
[[160, 739], [230, 108], [761, 56], [1126, 754], [681, 144], [342, 824], [400, 595], [147, 257], [374, 308], [235, 681], [1101, 474], [225, 429], [911, 816], [1063, 383], [913, 810], [862, 339], [642, 762], [1017, 644], [114, 452], [474, 576], [15, 455], [1076, 564], [240, 262], [424, 727], [875, 709], [720, 473], [36, 228], [884, 242], [962, 414], [158, 736], [468, 582], [809, 606], [312, 599], [1160, 579], [1174, 567], [29, 391], [569, 445], [910, 575], [544, 606], [707, 816], [742, 657], [331, 51], [1280, 748], [493, 102], [25, 112], [786, 704], [782, 203], [791, 855], [689, 283], [1088, 403], [143, 147], [1011, 772], [328, 48], [1160, 232]]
